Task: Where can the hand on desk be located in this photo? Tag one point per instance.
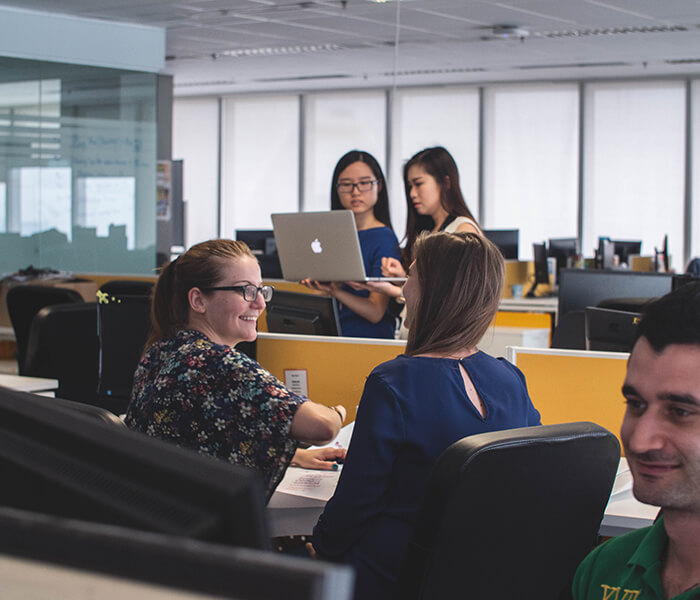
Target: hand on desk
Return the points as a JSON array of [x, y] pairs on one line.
[[324, 459]]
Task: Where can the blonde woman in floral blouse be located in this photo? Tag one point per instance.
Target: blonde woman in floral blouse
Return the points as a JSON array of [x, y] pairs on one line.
[[192, 387]]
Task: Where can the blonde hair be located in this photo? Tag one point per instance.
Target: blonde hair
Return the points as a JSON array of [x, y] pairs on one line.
[[200, 267], [460, 279]]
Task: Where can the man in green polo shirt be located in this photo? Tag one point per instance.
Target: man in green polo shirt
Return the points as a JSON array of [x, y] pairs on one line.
[[661, 437]]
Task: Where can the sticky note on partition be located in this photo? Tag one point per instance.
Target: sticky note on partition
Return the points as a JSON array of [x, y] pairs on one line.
[[295, 381]]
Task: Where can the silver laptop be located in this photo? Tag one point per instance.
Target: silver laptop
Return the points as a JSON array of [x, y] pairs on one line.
[[322, 246]]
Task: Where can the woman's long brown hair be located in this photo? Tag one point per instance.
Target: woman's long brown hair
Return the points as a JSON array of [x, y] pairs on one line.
[[460, 281]]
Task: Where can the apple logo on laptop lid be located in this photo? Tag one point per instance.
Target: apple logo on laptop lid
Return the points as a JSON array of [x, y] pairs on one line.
[[316, 247]]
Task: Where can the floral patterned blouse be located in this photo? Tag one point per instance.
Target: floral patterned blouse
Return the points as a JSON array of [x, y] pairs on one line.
[[216, 400]]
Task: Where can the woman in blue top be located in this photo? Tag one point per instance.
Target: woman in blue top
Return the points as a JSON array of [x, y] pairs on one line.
[[358, 185], [415, 406]]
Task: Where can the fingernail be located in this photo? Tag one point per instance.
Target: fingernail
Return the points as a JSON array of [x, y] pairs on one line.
[[335, 467]]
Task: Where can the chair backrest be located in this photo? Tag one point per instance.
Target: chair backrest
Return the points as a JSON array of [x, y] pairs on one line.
[[62, 344], [89, 410], [123, 325], [129, 287], [511, 514], [625, 304], [24, 302]]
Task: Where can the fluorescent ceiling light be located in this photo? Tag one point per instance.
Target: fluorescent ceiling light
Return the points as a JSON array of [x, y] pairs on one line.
[[280, 50]]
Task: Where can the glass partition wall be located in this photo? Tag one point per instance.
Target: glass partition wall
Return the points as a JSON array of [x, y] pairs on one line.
[[77, 168]]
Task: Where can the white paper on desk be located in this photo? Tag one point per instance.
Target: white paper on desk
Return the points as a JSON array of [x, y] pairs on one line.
[[342, 440], [309, 483]]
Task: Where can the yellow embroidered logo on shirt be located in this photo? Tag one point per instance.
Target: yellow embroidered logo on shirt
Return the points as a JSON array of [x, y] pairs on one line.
[[613, 593]]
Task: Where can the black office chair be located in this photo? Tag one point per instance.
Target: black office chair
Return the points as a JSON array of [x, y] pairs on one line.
[[24, 302], [570, 332], [123, 324], [625, 304], [127, 287], [89, 410], [511, 514], [62, 345]]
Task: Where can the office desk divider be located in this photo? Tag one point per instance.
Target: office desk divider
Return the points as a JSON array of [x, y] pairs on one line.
[[329, 370], [565, 386], [574, 385]]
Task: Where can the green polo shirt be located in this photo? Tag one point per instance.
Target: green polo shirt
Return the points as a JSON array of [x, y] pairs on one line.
[[626, 568]]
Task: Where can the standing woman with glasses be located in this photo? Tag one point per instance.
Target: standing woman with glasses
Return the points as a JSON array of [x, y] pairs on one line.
[[193, 388], [358, 185]]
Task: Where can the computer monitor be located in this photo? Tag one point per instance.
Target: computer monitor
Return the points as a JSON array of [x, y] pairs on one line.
[[605, 254], [505, 239], [262, 244], [579, 288], [59, 462], [45, 557], [610, 330], [539, 251], [661, 257], [307, 314], [563, 250], [682, 279], [626, 248]]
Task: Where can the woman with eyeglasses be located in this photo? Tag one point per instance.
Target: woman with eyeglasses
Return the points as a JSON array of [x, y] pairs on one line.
[[358, 185], [414, 406], [192, 386]]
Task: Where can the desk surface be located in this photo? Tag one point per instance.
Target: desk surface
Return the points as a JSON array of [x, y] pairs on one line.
[[291, 514], [546, 304], [21, 383]]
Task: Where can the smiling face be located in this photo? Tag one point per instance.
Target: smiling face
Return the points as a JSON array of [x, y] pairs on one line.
[[358, 202], [224, 316], [661, 428], [424, 191]]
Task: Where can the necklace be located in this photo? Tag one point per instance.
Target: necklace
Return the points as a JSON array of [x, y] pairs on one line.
[[461, 356]]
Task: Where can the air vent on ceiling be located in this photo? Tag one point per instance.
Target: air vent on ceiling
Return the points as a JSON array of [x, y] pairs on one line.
[[301, 78], [434, 71], [573, 66], [682, 61], [566, 33], [188, 84]]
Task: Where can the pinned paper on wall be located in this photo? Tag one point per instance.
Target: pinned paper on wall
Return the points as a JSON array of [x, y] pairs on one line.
[[295, 381], [163, 182]]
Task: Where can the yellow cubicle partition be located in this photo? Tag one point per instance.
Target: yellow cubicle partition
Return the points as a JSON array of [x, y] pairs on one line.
[[335, 368], [531, 320], [574, 385]]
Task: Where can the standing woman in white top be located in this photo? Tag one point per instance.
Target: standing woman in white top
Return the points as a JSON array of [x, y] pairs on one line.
[[435, 202]]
